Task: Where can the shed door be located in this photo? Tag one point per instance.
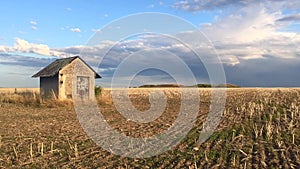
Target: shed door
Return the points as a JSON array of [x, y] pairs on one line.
[[83, 87]]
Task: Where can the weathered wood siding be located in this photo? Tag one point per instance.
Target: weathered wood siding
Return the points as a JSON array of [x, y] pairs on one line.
[[49, 85]]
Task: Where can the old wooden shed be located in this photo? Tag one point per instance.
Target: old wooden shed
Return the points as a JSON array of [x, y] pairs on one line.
[[63, 76]]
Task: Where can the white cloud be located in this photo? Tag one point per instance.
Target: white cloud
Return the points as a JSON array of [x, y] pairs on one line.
[[34, 27], [23, 46], [248, 24], [96, 30], [75, 30], [151, 6], [33, 22], [21, 32], [253, 32], [3, 49]]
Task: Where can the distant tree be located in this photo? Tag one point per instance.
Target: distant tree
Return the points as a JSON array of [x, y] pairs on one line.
[[98, 90]]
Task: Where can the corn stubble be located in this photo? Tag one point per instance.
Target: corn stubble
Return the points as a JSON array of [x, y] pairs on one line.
[[259, 129]]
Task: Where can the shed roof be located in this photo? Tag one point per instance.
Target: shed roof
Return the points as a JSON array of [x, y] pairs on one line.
[[54, 67]]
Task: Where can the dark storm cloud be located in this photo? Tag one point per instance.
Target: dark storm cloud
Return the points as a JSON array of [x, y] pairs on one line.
[[199, 5], [270, 72], [290, 18], [19, 60]]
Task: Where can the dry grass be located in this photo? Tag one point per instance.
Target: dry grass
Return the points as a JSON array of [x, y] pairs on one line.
[[20, 90], [260, 128]]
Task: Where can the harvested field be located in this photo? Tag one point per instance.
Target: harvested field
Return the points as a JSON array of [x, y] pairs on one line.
[[260, 128]]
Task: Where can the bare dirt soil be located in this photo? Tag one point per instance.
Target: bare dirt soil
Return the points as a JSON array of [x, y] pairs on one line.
[[259, 129]]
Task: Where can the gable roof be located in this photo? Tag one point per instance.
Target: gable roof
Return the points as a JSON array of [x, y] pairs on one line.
[[54, 67]]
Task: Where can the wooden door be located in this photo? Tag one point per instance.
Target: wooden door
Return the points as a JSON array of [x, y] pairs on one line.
[[83, 87]]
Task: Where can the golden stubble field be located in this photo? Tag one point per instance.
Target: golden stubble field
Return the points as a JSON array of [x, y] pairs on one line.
[[259, 129], [16, 90]]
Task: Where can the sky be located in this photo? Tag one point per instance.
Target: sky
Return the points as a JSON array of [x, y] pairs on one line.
[[255, 42]]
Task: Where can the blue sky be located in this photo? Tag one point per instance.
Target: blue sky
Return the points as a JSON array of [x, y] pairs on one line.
[[68, 23], [256, 41]]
